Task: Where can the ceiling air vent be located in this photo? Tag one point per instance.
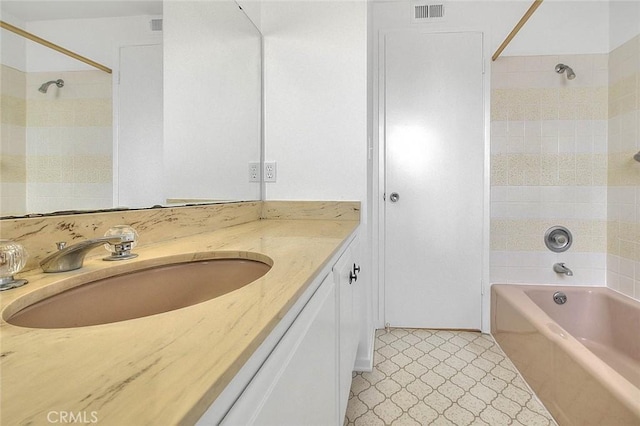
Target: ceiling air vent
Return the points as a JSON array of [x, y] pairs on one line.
[[156, 25], [424, 12]]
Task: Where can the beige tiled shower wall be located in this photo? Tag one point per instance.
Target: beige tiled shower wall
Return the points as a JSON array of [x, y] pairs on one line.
[[69, 141], [548, 167], [13, 119], [623, 227], [56, 146]]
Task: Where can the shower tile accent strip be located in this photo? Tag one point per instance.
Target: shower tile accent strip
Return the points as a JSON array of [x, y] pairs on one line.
[[423, 377]]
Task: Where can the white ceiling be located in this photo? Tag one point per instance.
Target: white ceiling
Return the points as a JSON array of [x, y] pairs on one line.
[[41, 10]]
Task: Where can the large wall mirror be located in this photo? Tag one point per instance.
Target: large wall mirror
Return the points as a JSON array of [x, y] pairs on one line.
[[177, 121]]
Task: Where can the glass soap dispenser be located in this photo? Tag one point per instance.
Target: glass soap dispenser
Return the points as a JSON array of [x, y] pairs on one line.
[[13, 257]]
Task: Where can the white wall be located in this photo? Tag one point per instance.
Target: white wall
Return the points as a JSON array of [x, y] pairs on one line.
[[316, 93], [253, 9], [12, 46], [97, 39], [315, 75], [211, 101], [557, 26], [624, 22]]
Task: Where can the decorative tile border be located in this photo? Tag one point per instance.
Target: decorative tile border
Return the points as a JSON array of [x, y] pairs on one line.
[[571, 169], [575, 103]]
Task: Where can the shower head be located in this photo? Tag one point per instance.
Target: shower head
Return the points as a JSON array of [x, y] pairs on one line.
[[45, 86], [560, 68]]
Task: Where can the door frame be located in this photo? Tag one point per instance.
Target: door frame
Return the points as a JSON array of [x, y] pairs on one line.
[[378, 182]]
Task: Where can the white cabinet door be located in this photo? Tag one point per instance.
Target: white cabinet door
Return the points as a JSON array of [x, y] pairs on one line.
[[297, 385], [345, 276]]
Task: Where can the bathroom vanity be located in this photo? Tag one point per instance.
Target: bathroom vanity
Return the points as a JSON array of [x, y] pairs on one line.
[[307, 377], [280, 347]]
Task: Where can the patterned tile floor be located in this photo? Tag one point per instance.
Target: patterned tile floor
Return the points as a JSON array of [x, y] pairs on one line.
[[434, 377]]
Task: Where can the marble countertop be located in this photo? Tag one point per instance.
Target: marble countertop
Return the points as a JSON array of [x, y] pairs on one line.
[[166, 368]]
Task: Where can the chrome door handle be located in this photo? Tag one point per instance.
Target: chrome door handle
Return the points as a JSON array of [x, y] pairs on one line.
[[394, 197]]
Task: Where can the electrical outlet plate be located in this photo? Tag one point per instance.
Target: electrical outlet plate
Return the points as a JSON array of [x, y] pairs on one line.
[[270, 171], [254, 171]]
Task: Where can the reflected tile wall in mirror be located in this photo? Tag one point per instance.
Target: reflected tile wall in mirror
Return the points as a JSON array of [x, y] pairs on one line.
[[13, 119], [58, 148], [69, 142]]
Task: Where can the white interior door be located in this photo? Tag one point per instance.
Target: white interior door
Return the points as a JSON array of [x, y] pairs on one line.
[[140, 135], [434, 143]]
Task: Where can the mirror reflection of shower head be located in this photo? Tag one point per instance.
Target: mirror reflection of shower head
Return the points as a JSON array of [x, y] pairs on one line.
[[45, 86], [560, 68]]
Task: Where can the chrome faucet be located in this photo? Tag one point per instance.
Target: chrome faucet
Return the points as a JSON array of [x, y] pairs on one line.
[[71, 257], [560, 268]]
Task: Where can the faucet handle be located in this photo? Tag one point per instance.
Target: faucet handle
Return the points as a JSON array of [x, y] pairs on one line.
[[13, 257], [61, 244], [128, 240]]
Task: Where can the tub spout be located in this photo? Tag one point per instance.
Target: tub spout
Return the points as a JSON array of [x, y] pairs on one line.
[[560, 268]]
